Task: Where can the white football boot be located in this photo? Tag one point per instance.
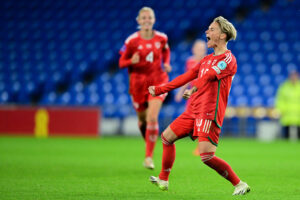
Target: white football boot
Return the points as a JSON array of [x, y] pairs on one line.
[[163, 185], [241, 188], [148, 163]]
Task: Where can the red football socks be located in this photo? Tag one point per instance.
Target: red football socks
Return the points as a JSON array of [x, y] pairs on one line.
[[168, 159], [151, 137], [222, 167]]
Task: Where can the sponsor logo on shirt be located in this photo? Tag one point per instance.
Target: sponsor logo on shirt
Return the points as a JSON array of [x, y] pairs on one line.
[[222, 65]]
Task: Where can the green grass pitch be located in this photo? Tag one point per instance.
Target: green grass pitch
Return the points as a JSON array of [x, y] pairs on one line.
[[111, 168]]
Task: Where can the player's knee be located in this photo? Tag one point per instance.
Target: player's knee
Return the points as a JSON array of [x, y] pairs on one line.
[[152, 119], [206, 156], [169, 136], [165, 140]]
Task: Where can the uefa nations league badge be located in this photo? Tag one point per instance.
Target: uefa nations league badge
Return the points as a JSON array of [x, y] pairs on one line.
[[222, 65]]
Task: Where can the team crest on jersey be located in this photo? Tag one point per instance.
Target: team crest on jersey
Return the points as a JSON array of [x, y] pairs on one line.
[[222, 65], [157, 45], [208, 62], [140, 47], [148, 46]]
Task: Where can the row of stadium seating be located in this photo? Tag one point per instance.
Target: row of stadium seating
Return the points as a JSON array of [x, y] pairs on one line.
[[46, 45]]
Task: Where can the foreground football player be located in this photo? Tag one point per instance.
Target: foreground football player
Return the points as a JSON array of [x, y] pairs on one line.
[[143, 54], [204, 116]]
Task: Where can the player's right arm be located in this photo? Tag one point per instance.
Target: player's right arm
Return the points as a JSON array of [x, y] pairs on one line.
[[176, 83], [127, 58]]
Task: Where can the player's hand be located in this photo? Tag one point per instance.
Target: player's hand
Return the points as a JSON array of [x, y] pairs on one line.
[[167, 68], [151, 90], [187, 94], [135, 58]]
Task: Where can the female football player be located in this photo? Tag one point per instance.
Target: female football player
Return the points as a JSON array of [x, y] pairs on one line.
[[144, 53], [204, 116]]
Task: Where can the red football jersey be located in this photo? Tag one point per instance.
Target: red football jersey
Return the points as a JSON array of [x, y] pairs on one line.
[[149, 70], [213, 76]]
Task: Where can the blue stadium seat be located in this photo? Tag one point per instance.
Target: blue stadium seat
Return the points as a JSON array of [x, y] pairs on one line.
[[46, 44]]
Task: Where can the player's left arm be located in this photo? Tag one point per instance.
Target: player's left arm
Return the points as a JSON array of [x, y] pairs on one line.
[[176, 83]]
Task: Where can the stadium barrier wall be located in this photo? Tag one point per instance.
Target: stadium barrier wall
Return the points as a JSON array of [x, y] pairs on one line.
[[50, 121]]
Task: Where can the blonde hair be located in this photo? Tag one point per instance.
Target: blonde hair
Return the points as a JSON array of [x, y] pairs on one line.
[[227, 28], [145, 9]]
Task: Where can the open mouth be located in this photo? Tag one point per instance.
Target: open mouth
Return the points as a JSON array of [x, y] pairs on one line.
[[208, 38]]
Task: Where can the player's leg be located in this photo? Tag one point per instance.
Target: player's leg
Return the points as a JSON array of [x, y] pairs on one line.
[[207, 152], [179, 128], [169, 152], [152, 129], [140, 105], [208, 139], [168, 137], [142, 124]]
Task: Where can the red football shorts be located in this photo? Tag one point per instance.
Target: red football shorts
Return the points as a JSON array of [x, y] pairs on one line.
[[140, 102], [203, 129]]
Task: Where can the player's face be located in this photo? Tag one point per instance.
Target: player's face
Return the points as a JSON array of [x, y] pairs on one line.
[[146, 20], [213, 35]]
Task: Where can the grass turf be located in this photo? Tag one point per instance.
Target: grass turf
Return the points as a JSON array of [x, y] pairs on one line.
[[111, 168]]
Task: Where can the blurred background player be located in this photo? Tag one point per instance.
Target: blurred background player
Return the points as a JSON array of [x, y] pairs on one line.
[[199, 51], [205, 114], [143, 54], [288, 105]]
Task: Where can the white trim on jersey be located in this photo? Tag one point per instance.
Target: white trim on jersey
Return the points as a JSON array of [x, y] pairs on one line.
[[132, 36], [208, 127], [204, 126], [228, 58]]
